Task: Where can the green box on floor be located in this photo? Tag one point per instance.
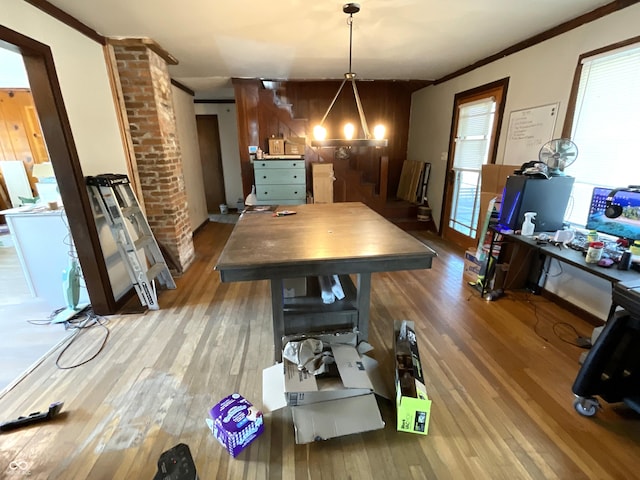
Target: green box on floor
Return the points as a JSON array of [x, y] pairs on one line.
[[413, 406]]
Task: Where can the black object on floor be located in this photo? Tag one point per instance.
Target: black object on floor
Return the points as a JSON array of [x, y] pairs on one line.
[[32, 418], [176, 464]]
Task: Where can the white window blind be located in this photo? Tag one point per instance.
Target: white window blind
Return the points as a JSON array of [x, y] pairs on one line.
[[606, 126], [474, 133]]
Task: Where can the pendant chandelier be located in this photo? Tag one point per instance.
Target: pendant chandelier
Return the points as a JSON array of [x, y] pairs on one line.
[[320, 133]]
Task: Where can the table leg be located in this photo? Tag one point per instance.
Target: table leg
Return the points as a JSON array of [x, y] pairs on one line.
[[277, 309], [364, 303]]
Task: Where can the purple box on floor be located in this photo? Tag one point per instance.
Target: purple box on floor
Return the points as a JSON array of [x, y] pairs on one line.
[[235, 422]]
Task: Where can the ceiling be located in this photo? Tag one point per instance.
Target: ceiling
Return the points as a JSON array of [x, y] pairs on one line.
[[295, 39]]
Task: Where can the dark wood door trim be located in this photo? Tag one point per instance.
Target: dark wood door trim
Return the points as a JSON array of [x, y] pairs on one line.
[[56, 130], [502, 86]]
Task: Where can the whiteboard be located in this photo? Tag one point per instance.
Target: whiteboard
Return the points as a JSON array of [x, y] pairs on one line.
[[529, 129]]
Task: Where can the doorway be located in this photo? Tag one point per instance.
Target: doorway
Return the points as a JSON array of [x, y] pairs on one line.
[[477, 117], [211, 160], [56, 130]]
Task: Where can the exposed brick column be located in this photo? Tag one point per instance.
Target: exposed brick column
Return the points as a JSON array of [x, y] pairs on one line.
[[146, 88]]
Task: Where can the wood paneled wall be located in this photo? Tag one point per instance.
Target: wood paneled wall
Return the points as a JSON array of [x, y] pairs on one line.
[[305, 102], [20, 133]]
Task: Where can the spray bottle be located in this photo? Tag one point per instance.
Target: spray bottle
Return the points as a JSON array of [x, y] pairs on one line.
[[527, 226]]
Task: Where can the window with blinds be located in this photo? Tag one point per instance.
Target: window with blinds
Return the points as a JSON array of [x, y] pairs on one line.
[[473, 139], [474, 134], [606, 124]]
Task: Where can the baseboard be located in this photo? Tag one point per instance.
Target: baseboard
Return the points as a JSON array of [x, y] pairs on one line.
[[580, 312]]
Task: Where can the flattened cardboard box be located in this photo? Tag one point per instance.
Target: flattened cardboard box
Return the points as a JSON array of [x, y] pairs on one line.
[[327, 408]]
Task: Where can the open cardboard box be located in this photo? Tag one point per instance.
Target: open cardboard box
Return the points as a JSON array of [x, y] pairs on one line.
[[412, 403], [324, 408]]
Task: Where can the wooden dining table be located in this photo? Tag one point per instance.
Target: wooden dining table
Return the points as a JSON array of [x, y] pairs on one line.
[[348, 239]]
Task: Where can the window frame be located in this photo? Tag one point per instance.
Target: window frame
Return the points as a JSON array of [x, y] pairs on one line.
[[567, 127], [568, 124]]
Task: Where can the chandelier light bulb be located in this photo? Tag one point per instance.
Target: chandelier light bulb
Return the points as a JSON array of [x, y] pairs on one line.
[[349, 130], [319, 132]]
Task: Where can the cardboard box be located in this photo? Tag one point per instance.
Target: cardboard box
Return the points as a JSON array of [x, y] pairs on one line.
[[323, 178], [324, 408], [235, 423], [412, 403], [472, 266], [276, 146], [336, 418], [492, 181], [494, 177], [353, 379], [294, 287], [295, 145]]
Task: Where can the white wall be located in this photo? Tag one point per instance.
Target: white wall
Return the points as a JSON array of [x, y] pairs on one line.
[[228, 125], [539, 75], [84, 83], [191, 166], [86, 91]]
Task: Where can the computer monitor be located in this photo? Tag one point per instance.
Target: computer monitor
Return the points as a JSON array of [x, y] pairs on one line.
[[626, 225], [548, 197]]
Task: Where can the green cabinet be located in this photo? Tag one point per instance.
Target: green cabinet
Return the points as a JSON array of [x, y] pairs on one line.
[[280, 182]]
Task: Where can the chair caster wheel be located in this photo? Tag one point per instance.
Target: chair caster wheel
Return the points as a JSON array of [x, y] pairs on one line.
[[587, 407]]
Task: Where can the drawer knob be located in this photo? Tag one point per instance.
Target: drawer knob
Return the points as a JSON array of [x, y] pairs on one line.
[[264, 176], [295, 176]]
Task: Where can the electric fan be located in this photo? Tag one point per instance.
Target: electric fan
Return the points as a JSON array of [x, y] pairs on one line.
[[558, 154], [71, 292]]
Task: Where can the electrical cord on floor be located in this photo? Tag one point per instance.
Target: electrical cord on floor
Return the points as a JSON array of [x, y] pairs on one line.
[[580, 341], [46, 321], [89, 320], [535, 313]]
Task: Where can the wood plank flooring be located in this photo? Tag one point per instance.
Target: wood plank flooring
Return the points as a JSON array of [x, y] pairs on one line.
[[499, 377], [25, 334]]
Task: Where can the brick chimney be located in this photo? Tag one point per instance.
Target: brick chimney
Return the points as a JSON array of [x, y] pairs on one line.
[[147, 94]]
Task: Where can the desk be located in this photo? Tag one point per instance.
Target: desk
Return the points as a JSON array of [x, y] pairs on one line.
[[320, 239], [575, 258]]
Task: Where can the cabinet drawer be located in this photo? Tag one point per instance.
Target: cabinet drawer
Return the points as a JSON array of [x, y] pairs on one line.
[[272, 176], [278, 164], [281, 192]]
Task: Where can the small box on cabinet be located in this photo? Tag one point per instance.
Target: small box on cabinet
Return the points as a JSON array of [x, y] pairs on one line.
[[276, 146], [294, 146]]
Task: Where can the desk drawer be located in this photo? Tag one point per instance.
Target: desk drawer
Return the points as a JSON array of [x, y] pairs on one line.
[[279, 176], [276, 164], [281, 192]]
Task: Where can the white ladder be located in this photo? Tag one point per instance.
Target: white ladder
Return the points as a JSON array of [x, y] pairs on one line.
[[131, 232]]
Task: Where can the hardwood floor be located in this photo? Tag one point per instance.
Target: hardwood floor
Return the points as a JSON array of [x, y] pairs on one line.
[[499, 377], [25, 332]]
